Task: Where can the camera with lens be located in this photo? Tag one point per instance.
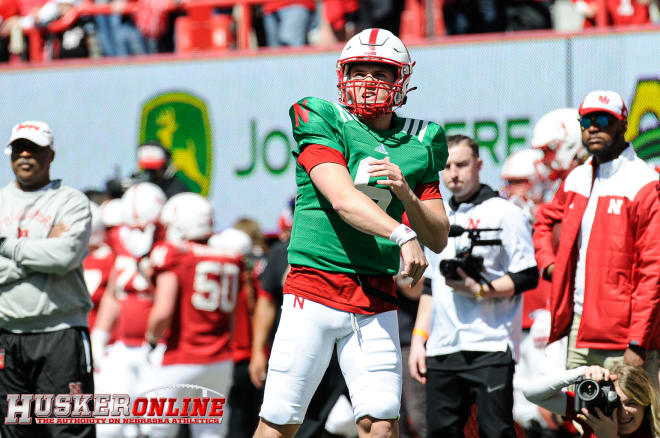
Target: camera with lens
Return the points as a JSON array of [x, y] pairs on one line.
[[592, 394], [470, 264]]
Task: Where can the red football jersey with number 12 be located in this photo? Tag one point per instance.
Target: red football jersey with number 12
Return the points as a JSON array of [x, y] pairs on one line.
[[209, 281]]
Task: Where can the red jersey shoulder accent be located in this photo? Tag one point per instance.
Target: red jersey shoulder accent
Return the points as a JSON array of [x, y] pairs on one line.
[[315, 154]]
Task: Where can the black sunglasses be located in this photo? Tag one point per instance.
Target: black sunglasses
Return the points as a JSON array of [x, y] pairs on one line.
[[601, 121]]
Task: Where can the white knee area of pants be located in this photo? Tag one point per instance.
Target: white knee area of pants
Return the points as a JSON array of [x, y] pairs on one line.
[[371, 363], [385, 406]]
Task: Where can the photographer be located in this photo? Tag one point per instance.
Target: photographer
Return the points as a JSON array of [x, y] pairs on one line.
[[635, 411], [468, 328]]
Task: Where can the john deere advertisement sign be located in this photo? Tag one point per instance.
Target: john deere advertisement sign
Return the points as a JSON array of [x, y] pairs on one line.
[[180, 122], [644, 119]]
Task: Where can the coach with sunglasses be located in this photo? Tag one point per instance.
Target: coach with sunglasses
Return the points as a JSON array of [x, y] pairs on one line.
[[605, 271]]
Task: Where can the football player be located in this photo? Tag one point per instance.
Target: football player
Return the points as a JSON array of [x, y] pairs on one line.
[[124, 312], [98, 264], [196, 291], [558, 135], [359, 167], [523, 183]]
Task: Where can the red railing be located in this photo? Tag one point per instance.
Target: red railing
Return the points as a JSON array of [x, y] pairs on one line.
[[420, 19]]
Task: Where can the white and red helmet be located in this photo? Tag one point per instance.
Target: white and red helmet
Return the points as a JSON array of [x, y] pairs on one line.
[[111, 213], [232, 240], [187, 216], [97, 237], [523, 177], [141, 204], [380, 46], [559, 136]]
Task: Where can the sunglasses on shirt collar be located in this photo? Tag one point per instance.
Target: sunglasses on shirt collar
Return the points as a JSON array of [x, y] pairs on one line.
[[601, 121]]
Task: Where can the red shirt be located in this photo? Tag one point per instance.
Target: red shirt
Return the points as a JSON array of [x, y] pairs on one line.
[[96, 269], [8, 8], [241, 342], [134, 293], [209, 281]]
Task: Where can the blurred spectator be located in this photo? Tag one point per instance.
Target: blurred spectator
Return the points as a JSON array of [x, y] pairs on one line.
[[8, 13], [383, 14], [156, 166], [287, 22], [152, 20], [117, 34], [474, 16], [618, 12], [338, 21], [528, 15]]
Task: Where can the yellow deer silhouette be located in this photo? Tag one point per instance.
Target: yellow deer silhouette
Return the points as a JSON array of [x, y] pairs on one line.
[[167, 120], [184, 158], [186, 161]]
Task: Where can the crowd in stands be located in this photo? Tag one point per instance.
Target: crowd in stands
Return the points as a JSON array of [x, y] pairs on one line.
[[139, 27]]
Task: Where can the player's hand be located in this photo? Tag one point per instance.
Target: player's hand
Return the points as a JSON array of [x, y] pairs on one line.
[[603, 426], [57, 230], [467, 286], [414, 261], [598, 373], [395, 179], [417, 359], [257, 369]]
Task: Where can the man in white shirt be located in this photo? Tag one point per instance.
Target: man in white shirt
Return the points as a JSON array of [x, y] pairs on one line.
[[468, 329]]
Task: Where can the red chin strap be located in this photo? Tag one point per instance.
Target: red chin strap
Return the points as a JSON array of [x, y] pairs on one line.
[[362, 107]]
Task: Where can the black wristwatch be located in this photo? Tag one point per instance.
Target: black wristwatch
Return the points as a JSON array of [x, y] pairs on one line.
[[2, 241]]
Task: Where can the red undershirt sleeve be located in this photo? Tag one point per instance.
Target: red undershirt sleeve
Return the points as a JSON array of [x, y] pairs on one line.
[[316, 154], [430, 190]]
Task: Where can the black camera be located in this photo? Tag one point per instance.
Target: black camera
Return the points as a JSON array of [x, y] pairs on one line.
[[592, 394], [470, 264]]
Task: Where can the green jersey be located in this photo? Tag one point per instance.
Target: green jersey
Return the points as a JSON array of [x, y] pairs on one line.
[[320, 238]]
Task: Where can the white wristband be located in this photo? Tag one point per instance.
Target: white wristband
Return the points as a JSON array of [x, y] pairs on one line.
[[402, 234]]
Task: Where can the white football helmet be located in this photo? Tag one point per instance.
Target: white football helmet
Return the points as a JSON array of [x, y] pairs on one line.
[[521, 164], [233, 240], [524, 185], [187, 216], [97, 236], [381, 46], [111, 213], [141, 204], [559, 136]]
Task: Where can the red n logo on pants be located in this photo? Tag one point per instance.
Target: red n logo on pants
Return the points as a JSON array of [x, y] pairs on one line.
[[299, 300]]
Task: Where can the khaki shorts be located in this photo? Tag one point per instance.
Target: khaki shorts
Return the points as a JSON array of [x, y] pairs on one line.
[[606, 358]]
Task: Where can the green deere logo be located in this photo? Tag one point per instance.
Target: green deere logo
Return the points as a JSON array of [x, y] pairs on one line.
[[180, 122], [643, 119]]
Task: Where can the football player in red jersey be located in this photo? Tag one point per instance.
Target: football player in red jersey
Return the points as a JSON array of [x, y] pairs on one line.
[[98, 264], [124, 312], [196, 291]]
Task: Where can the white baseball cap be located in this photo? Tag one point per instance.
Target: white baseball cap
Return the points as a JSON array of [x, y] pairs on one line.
[[151, 157], [37, 132], [604, 101]]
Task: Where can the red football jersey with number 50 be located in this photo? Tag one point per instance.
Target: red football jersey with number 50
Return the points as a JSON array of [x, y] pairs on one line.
[[208, 281]]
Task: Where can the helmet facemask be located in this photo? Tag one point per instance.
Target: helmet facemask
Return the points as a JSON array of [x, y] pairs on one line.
[[360, 95]]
